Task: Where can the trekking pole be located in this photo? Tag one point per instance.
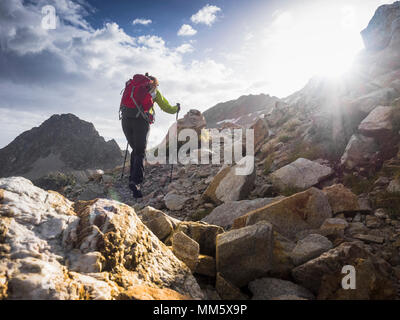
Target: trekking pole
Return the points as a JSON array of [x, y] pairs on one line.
[[172, 165], [126, 154]]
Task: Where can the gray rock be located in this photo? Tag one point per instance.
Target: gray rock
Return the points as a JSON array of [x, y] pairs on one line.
[[271, 288], [245, 254], [226, 213], [174, 201], [300, 174], [64, 259], [378, 124], [232, 183], [309, 248]]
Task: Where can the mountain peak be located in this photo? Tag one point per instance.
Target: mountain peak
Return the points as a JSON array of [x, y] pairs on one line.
[[63, 143]]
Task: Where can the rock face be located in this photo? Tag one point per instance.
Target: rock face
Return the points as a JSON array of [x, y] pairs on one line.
[[383, 29], [228, 185], [54, 249], [62, 143], [271, 288], [341, 199], [323, 275], [300, 174], [245, 254], [302, 211], [378, 124], [226, 213]]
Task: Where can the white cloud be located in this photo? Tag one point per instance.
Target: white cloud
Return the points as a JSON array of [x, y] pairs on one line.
[[206, 15], [186, 30], [144, 22], [72, 70], [185, 48]]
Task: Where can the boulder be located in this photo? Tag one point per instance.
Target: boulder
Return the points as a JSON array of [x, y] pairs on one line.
[[245, 254], [174, 201], [186, 249], [55, 249], [158, 222], [378, 124], [230, 184], [300, 175], [271, 288], [358, 152], [323, 275], [301, 211], [204, 234], [226, 213], [341, 199], [309, 248]]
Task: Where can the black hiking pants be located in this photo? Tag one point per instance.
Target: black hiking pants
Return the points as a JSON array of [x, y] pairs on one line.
[[136, 131]]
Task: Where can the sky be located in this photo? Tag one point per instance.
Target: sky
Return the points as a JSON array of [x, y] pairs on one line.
[[202, 52]]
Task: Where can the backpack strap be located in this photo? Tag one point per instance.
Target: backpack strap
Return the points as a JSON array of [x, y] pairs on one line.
[[140, 109]]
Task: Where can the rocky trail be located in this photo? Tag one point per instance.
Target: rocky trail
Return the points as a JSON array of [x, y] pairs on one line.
[[324, 196]]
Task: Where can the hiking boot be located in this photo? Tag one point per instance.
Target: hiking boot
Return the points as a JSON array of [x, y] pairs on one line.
[[135, 190]]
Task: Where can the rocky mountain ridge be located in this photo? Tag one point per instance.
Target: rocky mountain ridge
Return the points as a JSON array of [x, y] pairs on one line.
[[62, 143]]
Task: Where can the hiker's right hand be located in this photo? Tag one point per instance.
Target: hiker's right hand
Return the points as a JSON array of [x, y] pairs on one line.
[[179, 107]]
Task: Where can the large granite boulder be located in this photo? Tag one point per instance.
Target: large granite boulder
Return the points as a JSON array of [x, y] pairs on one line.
[[291, 215], [52, 248], [300, 175], [245, 254], [378, 124], [226, 213]]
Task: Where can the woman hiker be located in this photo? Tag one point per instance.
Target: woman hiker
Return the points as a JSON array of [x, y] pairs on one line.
[[137, 113]]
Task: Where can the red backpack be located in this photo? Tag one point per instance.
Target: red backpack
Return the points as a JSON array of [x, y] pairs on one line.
[[137, 90]]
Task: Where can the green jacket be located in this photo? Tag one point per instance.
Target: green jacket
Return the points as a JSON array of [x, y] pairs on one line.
[[164, 104]]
